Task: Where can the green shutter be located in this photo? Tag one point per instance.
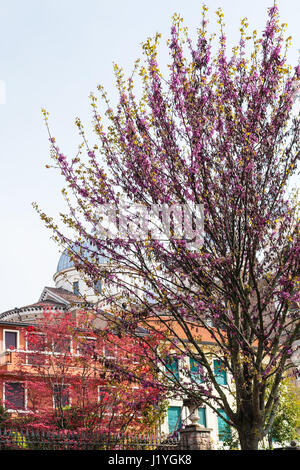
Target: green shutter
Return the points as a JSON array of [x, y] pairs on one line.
[[202, 416], [174, 418], [172, 367], [220, 373], [223, 428]]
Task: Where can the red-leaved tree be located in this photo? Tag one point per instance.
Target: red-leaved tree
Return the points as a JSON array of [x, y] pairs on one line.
[[78, 377]]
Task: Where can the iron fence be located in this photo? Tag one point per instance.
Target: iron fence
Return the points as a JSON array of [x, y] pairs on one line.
[[20, 439]]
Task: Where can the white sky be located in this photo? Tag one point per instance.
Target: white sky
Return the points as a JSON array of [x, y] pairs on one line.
[[53, 54]]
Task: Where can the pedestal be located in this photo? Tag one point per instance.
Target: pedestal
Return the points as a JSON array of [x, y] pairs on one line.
[[195, 437]]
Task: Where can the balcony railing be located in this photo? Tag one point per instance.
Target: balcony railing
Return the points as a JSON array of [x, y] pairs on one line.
[[24, 357], [5, 358]]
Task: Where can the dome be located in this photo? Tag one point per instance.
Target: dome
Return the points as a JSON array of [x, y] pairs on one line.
[[65, 261]]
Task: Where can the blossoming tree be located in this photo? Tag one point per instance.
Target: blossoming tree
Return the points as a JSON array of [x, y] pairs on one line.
[[219, 131]]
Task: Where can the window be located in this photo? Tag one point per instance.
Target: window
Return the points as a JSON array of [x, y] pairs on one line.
[[202, 416], [61, 344], [195, 371], [220, 373], [61, 396], [107, 399], [76, 287], [135, 359], [174, 418], [36, 344], [172, 367], [98, 286], [110, 351], [10, 339], [223, 427], [14, 393], [103, 393], [149, 292], [86, 347]]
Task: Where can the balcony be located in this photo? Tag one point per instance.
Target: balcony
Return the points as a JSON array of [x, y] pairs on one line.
[[5, 358]]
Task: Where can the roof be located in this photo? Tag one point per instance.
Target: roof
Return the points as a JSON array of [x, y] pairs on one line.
[[54, 298], [45, 303], [200, 334], [14, 323], [60, 295]]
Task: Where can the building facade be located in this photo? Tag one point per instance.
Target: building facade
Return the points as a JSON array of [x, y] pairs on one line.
[[69, 293]]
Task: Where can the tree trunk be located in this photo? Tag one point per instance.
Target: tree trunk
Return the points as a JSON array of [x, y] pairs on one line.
[[249, 439], [250, 419], [270, 441]]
